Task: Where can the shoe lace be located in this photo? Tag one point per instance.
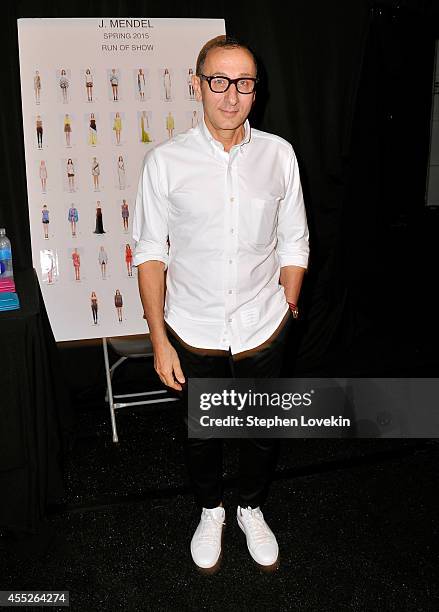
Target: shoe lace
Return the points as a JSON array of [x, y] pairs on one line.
[[257, 525], [209, 528]]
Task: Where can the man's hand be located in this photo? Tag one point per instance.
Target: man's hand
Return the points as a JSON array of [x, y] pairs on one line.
[[167, 365]]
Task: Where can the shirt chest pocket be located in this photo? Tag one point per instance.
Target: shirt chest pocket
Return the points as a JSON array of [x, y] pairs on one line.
[[262, 221]]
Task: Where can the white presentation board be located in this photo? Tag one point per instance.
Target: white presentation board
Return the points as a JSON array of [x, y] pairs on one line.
[[97, 94]]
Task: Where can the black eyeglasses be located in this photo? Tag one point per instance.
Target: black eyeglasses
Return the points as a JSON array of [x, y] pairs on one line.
[[220, 84]]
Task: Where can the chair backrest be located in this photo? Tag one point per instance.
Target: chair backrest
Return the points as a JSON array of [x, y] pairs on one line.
[[132, 346]]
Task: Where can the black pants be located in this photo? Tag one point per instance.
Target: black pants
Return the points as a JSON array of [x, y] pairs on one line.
[[257, 457]]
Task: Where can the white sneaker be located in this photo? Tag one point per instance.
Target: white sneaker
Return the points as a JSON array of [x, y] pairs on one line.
[[261, 541], [207, 539]]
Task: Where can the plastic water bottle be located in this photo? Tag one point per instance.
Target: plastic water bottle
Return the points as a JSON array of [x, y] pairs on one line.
[[6, 269]]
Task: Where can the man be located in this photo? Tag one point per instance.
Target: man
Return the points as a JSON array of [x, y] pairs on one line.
[[220, 208]]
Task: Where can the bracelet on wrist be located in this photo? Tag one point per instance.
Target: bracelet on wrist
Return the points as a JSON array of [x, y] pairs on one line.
[[294, 310]]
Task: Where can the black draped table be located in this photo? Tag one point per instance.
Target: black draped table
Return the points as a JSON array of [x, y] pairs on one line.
[[35, 415]]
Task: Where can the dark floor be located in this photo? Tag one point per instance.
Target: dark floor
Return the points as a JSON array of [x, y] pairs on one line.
[[356, 523], [356, 520]]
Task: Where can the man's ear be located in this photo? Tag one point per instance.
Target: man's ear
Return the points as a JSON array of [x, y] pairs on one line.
[[196, 83]]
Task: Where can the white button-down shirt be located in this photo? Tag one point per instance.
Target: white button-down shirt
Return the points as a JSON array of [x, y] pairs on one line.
[[233, 220]]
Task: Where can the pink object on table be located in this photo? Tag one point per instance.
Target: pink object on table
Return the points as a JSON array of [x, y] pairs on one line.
[[7, 284]]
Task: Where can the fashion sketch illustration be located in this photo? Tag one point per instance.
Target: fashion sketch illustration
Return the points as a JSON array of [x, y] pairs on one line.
[[121, 172], [45, 221], [73, 218], [167, 84], [99, 227], [118, 302], [51, 267], [89, 85], [170, 124], [67, 129], [117, 127], [114, 82], [144, 127], [37, 86], [92, 131], [64, 84], [71, 174], [194, 119], [94, 307], [125, 215], [76, 260], [95, 172], [129, 259], [103, 260], [43, 175], [39, 129], [141, 84], [190, 74]]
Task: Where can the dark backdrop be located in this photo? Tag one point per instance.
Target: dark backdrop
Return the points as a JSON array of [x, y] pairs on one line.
[[348, 83]]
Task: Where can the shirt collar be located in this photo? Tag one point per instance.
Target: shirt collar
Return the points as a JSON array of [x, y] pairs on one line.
[[218, 145]]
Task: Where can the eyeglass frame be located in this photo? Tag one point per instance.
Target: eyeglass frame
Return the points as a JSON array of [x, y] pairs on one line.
[[231, 82]]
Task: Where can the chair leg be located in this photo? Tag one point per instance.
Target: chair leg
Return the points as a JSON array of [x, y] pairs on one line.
[[112, 369], [110, 390]]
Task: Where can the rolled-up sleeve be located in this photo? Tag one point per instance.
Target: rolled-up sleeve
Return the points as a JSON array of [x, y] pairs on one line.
[[150, 223], [292, 229]]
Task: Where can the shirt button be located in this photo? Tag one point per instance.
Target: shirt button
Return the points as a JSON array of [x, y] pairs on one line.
[[230, 291], [232, 199], [232, 230], [230, 261], [230, 320]]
